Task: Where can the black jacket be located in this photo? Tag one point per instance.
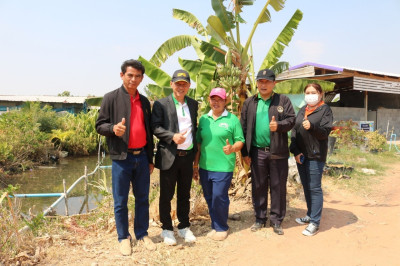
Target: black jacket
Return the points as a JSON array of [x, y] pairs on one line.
[[280, 107], [115, 106], [164, 123], [313, 143]]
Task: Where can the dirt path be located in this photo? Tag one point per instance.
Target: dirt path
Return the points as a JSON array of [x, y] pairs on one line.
[[354, 231]]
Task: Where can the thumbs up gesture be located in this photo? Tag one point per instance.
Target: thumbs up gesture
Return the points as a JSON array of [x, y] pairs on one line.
[[119, 129], [228, 148], [306, 124], [179, 138], [273, 125]]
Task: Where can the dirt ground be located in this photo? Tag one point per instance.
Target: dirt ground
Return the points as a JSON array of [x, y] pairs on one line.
[[355, 230]]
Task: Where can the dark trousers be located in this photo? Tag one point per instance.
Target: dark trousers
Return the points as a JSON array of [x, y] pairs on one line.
[[133, 170], [179, 175], [215, 188], [268, 172], [311, 174]]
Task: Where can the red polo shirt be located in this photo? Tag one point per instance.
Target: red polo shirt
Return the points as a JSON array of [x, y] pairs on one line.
[[137, 134]]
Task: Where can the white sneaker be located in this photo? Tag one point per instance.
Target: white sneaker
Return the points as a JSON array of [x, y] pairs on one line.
[[168, 237], [311, 230], [187, 235]]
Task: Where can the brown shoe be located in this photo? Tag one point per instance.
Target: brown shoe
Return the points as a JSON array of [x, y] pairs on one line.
[[220, 236], [147, 243], [125, 247], [211, 233]]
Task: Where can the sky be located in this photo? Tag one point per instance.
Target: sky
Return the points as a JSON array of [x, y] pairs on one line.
[[47, 46]]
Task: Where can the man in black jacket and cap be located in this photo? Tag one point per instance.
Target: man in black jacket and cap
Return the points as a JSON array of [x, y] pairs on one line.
[[266, 118]]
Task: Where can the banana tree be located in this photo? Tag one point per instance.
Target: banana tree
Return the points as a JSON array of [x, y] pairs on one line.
[[219, 44]]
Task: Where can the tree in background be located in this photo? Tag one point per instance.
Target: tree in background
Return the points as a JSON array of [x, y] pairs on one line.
[[222, 59], [65, 94]]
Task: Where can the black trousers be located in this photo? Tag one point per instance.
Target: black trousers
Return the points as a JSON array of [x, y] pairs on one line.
[[179, 175], [268, 172]]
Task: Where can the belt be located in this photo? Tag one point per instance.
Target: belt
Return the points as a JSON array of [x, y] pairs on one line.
[[266, 149], [183, 152], [136, 151]]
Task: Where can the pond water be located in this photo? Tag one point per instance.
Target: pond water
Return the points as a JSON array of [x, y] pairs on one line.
[[49, 179]]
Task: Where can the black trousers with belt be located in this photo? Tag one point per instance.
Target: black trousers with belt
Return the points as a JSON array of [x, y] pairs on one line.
[[267, 172], [179, 175]]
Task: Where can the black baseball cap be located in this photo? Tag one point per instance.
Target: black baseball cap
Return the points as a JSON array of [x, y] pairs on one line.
[[266, 74], [181, 75]]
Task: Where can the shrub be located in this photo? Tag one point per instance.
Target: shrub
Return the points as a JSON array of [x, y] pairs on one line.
[[348, 135], [78, 133]]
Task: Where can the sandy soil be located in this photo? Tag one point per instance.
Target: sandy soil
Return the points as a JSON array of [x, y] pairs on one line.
[[355, 230]]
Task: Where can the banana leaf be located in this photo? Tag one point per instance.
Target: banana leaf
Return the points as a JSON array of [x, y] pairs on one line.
[[155, 73], [296, 86], [95, 101]]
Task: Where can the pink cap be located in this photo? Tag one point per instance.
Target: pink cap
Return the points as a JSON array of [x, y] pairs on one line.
[[220, 92]]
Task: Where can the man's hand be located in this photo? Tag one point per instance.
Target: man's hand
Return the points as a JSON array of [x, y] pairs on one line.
[[119, 129], [297, 158], [306, 124], [228, 148], [247, 160], [151, 167], [273, 125], [179, 138], [195, 173]]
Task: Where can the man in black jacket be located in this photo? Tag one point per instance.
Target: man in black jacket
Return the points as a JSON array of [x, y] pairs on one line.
[[266, 118], [174, 122], [124, 119]]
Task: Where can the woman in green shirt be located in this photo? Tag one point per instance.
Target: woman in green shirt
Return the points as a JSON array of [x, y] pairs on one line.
[[219, 137]]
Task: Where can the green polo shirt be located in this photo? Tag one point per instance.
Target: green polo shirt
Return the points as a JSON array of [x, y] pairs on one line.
[[261, 137], [212, 135]]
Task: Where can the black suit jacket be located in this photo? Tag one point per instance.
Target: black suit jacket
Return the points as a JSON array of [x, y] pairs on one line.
[[164, 122], [116, 105], [280, 107]]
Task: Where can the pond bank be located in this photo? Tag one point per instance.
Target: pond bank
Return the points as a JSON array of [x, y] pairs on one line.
[[49, 179]]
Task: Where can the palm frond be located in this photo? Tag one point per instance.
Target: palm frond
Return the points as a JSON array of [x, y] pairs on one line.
[[296, 86], [216, 29], [280, 67], [214, 52], [277, 4], [226, 17], [191, 66], [169, 47], [283, 40], [205, 77], [155, 73], [190, 19]]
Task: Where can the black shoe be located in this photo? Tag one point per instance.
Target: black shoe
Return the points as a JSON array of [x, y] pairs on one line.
[[257, 226], [277, 229], [303, 220]]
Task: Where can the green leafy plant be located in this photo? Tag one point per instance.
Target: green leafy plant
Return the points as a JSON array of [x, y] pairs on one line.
[[348, 135], [376, 142], [35, 223]]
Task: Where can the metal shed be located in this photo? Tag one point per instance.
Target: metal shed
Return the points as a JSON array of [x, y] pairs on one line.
[[364, 94]]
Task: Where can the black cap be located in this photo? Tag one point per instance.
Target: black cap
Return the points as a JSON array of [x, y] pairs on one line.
[[180, 75], [266, 74]]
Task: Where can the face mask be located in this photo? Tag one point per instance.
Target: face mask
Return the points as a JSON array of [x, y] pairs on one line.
[[311, 99]]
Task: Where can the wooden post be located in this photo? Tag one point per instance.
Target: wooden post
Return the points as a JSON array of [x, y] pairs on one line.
[[366, 105], [65, 198], [86, 190]]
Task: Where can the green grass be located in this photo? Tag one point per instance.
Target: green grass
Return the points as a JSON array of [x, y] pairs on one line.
[[360, 182]]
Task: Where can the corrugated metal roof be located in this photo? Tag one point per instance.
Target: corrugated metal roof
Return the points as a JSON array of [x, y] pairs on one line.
[[41, 98], [366, 84], [341, 68]]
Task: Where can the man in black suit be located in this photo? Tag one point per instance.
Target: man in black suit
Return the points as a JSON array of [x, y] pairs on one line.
[[174, 122]]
